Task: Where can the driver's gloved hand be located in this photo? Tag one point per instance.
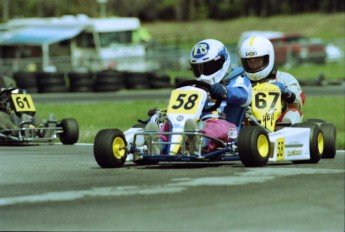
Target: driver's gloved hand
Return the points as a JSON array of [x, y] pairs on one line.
[[218, 91], [288, 96]]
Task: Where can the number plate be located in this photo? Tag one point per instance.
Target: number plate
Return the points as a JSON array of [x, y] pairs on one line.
[[23, 103], [266, 104], [184, 102]]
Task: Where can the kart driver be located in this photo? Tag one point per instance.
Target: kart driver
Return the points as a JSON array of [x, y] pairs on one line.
[[210, 62], [257, 58], [5, 119]]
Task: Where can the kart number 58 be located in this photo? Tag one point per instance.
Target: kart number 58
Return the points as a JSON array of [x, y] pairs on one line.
[[184, 102]]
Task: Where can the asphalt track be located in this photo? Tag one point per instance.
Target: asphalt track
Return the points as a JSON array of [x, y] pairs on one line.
[[61, 188]]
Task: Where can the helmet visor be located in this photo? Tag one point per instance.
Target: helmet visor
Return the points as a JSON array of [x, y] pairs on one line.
[[208, 68], [255, 64]]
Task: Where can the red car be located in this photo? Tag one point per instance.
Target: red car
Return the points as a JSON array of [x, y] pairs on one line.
[[295, 49], [291, 49]]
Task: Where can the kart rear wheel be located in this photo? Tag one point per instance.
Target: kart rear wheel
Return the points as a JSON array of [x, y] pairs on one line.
[[253, 146], [329, 133], [70, 132], [316, 142], [110, 148]]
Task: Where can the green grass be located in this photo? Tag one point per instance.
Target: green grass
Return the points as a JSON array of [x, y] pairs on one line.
[[331, 72], [325, 26], [122, 115], [328, 27]]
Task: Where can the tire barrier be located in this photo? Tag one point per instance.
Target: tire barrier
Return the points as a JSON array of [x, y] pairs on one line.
[[109, 80], [102, 81], [27, 81], [51, 82], [137, 80], [81, 81], [159, 82]]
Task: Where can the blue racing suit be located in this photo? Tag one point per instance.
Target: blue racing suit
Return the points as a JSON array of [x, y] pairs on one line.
[[239, 96]]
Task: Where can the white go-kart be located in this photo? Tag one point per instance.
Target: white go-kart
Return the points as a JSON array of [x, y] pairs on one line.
[[261, 139]]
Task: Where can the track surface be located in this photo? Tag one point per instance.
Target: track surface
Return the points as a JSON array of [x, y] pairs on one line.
[[57, 187]]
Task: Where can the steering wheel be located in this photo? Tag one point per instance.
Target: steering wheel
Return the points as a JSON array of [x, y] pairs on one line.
[[201, 85]]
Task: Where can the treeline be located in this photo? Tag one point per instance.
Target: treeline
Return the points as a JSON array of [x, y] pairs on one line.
[[167, 10]]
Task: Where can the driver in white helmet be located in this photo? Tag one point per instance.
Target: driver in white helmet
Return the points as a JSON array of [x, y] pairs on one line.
[[210, 62], [257, 58]]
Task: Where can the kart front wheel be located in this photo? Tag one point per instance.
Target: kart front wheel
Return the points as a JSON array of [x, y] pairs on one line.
[[253, 146], [110, 148], [70, 130]]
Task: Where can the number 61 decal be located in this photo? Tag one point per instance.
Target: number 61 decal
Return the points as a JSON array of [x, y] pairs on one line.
[[23, 103]]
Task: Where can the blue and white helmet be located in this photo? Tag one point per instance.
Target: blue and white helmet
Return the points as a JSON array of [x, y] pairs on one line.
[[209, 60]]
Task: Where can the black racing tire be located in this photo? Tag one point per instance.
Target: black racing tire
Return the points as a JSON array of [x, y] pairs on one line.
[[159, 82], [51, 82], [253, 146], [81, 81], [27, 81], [70, 134], [110, 148], [314, 120], [330, 134], [137, 80], [109, 80], [316, 142]]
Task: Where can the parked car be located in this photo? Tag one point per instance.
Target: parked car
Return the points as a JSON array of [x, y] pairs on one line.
[[292, 49]]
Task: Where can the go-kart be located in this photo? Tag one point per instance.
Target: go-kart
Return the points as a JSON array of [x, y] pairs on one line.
[[259, 140], [18, 112], [305, 142]]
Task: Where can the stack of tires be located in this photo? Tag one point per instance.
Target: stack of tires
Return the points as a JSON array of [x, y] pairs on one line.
[[109, 80], [102, 81], [51, 82], [159, 82], [81, 81], [27, 81]]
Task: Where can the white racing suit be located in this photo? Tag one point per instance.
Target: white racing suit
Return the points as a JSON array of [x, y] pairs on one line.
[[291, 114]]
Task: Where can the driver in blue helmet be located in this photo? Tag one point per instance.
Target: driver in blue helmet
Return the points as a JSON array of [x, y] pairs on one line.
[[210, 62]]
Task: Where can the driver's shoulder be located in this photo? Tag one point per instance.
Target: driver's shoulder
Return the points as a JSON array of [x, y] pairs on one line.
[[233, 73]]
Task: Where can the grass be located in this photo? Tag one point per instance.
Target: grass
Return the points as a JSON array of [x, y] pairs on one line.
[[329, 27], [324, 26], [122, 115], [331, 72]]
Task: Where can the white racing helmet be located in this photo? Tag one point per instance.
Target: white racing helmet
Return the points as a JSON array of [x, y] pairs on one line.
[[259, 50], [209, 61]]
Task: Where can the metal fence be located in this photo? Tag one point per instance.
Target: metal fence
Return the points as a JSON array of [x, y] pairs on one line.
[[168, 55]]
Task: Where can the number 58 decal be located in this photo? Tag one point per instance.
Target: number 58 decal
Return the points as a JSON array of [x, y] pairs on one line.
[[184, 102], [23, 103]]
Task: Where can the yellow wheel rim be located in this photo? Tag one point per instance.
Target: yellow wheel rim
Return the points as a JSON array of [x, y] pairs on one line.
[[263, 145], [119, 148], [320, 143]]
